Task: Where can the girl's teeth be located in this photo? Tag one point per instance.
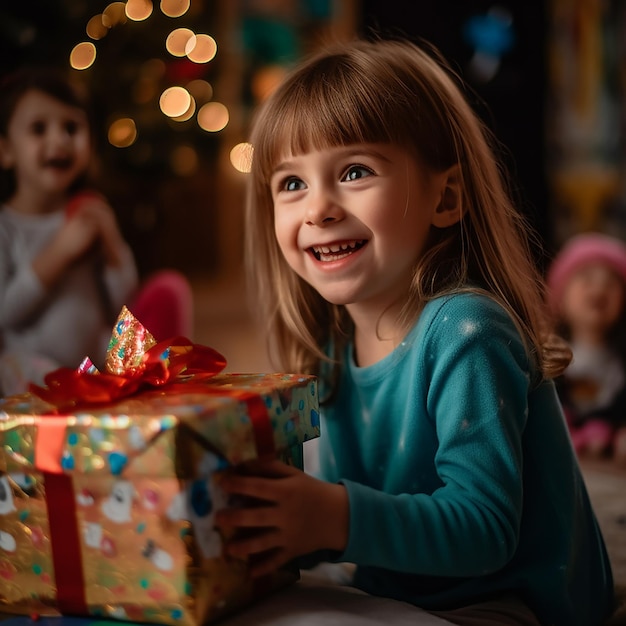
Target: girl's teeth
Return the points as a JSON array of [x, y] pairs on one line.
[[336, 252]]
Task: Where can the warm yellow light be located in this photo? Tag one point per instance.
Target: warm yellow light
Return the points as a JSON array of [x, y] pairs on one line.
[[96, 28], [241, 157], [177, 40], [138, 10], [188, 114], [114, 14], [83, 55], [175, 101], [122, 133], [202, 50], [175, 8], [213, 117]]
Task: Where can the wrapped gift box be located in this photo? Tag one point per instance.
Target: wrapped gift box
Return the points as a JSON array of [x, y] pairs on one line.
[[109, 510]]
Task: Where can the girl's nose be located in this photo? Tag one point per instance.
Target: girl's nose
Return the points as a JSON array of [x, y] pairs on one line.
[[59, 136], [322, 210]]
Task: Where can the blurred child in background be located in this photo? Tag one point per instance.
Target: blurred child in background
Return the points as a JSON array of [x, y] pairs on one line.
[[587, 282], [65, 269]]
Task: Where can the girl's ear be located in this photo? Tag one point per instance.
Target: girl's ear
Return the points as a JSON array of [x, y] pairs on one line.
[[450, 209]]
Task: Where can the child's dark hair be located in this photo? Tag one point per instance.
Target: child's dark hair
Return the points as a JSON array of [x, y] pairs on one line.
[[52, 81]]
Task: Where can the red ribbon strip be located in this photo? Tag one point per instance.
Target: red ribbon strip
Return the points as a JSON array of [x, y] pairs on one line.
[[263, 431], [65, 540], [63, 521]]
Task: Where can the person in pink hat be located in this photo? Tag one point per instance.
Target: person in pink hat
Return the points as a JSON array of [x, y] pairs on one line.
[[587, 295]]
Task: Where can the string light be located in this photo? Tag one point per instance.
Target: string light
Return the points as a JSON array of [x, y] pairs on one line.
[[213, 117], [175, 8], [122, 133], [175, 101], [139, 10], [83, 55], [241, 157]]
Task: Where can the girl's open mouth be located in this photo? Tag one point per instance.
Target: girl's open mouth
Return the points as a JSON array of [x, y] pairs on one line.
[[59, 163], [335, 252]]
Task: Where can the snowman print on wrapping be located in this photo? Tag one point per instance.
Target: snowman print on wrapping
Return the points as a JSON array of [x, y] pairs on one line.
[[199, 502], [7, 506]]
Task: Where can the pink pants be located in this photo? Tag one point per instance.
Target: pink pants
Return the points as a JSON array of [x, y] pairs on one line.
[[164, 305], [595, 435]]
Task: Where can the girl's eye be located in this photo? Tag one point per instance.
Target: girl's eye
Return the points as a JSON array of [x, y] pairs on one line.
[[355, 172], [293, 184], [39, 128], [71, 128]]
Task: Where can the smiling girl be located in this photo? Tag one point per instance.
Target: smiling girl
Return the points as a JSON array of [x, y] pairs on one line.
[[389, 260]]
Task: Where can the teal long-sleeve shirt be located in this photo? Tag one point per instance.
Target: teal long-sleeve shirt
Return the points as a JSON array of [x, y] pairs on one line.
[[461, 479]]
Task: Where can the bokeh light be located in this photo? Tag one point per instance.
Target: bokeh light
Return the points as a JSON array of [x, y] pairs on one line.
[[241, 157], [175, 101], [175, 8], [177, 40], [188, 114], [95, 28], [83, 55], [213, 117], [202, 50], [138, 10], [122, 132], [114, 14]]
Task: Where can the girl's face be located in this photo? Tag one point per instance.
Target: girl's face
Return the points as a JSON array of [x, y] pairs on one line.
[[352, 220], [48, 144], [593, 301]]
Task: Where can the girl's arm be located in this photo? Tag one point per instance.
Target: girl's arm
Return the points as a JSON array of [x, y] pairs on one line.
[[25, 282], [73, 240], [94, 206], [120, 272], [474, 383]]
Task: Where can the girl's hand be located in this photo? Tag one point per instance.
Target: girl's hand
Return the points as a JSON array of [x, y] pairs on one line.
[[73, 240], [93, 206], [291, 513]]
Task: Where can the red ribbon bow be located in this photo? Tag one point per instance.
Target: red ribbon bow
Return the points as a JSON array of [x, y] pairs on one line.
[[147, 364], [134, 361]]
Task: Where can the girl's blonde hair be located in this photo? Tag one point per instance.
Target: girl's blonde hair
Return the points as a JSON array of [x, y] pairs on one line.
[[391, 92]]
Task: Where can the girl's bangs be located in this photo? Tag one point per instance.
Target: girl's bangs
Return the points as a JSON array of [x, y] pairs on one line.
[[322, 114]]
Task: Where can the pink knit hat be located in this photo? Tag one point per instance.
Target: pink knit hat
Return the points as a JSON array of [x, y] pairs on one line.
[[578, 251]]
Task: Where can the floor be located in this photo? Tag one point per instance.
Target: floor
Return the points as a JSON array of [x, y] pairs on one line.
[[223, 321]]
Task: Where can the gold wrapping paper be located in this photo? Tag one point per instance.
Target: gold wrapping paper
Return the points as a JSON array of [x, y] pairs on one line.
[[144, 481]]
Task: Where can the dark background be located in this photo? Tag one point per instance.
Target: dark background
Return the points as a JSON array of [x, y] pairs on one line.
[[161, 218], [513, 102]]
